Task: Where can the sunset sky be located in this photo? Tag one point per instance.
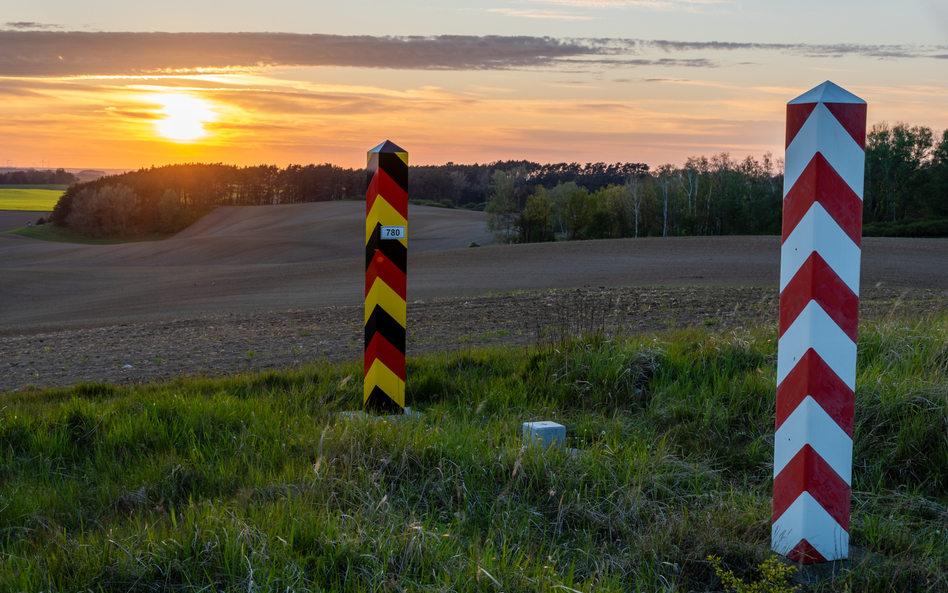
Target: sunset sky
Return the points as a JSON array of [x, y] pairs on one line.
[[117, 84]]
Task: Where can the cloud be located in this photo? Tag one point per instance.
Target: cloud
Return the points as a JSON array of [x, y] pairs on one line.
[[638, 63], [30, 25], [92, 54], [17, 92], [669, 5], [41, 53], [803, 49], [542, 14]]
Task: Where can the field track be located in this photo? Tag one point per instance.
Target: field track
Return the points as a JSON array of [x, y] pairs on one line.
[[251, 263]]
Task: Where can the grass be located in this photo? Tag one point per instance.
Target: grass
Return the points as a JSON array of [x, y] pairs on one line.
[[55, 233], [256, 483], [58, 186], [28, 198]]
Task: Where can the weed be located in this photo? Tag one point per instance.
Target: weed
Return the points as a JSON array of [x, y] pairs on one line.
[[773, 577]]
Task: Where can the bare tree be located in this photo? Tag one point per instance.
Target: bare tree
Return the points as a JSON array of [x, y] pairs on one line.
[[664, 175], [634, 195]]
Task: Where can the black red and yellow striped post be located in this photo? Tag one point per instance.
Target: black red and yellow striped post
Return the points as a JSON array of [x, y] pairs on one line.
[[386, 264]]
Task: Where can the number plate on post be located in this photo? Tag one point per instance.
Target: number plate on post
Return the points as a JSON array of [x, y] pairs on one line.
[[392, 232]]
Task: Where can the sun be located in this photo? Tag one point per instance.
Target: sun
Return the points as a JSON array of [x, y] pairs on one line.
[[185, 117]]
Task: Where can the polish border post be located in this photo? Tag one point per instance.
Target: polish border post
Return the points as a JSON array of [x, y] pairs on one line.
[[819, 317]]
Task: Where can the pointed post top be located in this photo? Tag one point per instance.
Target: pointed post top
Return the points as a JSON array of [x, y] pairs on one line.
[[827, 93], [388, 146]]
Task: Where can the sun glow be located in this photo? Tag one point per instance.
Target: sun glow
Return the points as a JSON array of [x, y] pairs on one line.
[[185, 117]]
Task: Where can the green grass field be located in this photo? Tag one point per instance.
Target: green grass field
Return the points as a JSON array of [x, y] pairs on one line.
[[257, 483], [58, 186], [28, 198]]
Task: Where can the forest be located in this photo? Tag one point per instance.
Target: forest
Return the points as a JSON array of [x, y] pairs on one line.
[[35, 177], [906, 193]]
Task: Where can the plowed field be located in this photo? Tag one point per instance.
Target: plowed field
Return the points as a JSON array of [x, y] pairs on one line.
[[269, 286]]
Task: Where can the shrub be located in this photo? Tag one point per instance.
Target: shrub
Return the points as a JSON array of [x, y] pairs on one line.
[[930, 228]]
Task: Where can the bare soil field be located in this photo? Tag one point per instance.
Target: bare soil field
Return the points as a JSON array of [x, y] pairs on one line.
[[249, 288], [14, 219]]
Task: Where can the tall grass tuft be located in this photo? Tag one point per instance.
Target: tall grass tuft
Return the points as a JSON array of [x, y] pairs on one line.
[[257, 483]]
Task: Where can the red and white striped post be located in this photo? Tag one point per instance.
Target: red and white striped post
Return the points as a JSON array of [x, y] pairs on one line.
[[819, 316]]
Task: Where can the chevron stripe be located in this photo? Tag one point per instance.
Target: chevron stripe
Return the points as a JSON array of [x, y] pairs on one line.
[[808, 472], [383, 213], [379, 376], [804, 553], [819, 182], [796, 117], [807, 520], [383, 296], [811, 425], [811, 377], [394, 163], [817, 231], [822, 133], [849, 109], [379, 401], [814, 329], [395, 251], [380, 349], [851, 116], [383, 185], [380, 322], [816, 281], [383, 269]]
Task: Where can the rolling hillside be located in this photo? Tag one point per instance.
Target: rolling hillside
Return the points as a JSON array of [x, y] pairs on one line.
[[311, 255]]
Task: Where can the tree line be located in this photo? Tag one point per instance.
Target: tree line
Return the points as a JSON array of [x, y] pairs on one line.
[[460, 185], [906, 185], [34, 177], [167, 199], [906, 193], [706, 196]]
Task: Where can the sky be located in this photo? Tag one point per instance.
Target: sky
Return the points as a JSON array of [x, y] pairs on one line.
[[120, 85]]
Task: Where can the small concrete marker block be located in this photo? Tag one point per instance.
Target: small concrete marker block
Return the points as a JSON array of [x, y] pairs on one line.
[[407, 413], [360, 415], [544, 433]]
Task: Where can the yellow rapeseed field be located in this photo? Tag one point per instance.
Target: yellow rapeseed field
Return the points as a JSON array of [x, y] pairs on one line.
[[29, 200]]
